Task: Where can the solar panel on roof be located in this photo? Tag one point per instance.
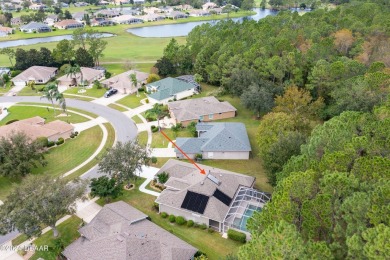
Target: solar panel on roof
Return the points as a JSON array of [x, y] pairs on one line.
[[225, 199], [213, 179], [195, 202]]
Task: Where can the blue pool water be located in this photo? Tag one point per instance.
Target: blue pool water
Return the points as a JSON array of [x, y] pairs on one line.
[[240, 223]]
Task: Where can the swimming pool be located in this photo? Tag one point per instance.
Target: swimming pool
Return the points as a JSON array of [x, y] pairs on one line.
[[240, 223]]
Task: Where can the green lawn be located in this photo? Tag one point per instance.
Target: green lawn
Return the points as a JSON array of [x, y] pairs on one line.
[[68, 232], [27, 91], [132, 101], [143, 138], [159, 141], [92, 92], [6, 186], [137, 120], [116, 107], [213, 244], [72, 153], [69, 108], [88, 166], [23, 112]]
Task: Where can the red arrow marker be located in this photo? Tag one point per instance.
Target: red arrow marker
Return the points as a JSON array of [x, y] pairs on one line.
[[202, 171]]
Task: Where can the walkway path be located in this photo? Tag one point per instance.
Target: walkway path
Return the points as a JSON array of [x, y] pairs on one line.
[[106, 101], [148, 173]]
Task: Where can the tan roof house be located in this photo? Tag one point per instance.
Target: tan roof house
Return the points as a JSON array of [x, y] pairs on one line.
[[6, 30], [200, 109], [87, 75], [68, 24], [38, 74], [123, 83], [121, 232], [35, 127], [207, 198]]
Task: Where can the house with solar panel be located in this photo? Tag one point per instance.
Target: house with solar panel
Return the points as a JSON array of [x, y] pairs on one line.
[[219, 199], [220, 140]]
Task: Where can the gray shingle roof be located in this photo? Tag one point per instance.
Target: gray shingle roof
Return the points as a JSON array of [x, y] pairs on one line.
[[188, 173], [116, 234], [192, 109], [168, 87], [219, 137], [34, 26]]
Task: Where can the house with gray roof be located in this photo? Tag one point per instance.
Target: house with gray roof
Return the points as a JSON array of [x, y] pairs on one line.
[[123, 83], [228, 141], [121, 232], [204, 109], [35, 27], [38, 74], [169, 89], [207, 198]]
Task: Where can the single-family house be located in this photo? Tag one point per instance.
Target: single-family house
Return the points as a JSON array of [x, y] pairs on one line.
[[204, 109], [51, 19], [151, 10], [38, 74], [79, 16], [219, 198], [35, 27], [169, 89], [166, 9], [120, 232], [68, 24], [79, 4], [102, 2], [16, 21], [199, 12], [152, 17], [37, 7], [123, 83], [227, 141], [63, 5], [209, 5], [139, 2], [101, 22], [190, 79], [6, 30], [35, 127], [86, 77], [108, 13], [216, 10], [183, 7], [126, 19], [176, 15]]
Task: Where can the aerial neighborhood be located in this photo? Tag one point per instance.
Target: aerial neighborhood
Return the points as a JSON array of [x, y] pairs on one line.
[[194, 130]]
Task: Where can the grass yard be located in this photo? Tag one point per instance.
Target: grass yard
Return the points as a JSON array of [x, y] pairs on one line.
[[132, 101], [23, 112], [159, 141], [137, 120], [212, 244], [91, 92], [88, 166], [68, 232], [6, 186], [143, 138], [72, 153], [116, 107], [69, 108]]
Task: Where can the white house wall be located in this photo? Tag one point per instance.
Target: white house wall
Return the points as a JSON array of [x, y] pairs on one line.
[[226, 155], [186, 214]]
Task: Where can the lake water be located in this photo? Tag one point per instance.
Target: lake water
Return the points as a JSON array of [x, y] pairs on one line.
[[15, 43], [183, 29]]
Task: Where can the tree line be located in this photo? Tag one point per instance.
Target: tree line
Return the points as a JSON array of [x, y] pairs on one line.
[[85, 49]]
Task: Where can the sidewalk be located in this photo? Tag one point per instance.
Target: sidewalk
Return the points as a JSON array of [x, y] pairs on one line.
[[106, 101], [148, 173], [91, 123], [163, 152]]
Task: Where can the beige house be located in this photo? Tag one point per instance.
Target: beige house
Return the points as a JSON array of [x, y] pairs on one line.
[[122, 82], [204, 109], [204, 198], [121, 232], [38, 74], [87, 75], [35, 127], [68, 24]]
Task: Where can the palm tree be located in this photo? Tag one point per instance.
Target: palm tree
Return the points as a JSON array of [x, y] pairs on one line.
[[61, 101], [133, 78], [50, 92], [73, 71]]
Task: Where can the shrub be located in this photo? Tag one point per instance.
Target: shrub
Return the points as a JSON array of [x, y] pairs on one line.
[[155, 206], [154, 129], [64, 67], [163, 177], [192, 128], [60, 141], [180, 220], [76, 133], [236, 235], [107, 74], [198, 157], [12, 121], [203, 226], [147, 101], [190, 223], [42, 141], [72, 135], [141, 89], [50, 144], [154, 159], [210, 230], [172, 218], [196, 225], [6, 77], [164, 214], [15, 73]]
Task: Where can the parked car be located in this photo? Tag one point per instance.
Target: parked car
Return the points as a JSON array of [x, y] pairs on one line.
[[110, 92]]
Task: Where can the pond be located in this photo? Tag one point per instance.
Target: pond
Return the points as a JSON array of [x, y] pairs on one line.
[[58, 38], [182, 29]]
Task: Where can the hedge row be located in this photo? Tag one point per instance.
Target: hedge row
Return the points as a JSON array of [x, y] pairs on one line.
[[236, 235]]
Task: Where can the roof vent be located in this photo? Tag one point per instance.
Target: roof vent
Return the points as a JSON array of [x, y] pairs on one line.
[[213, 179], [202, 182], [120, 238]]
